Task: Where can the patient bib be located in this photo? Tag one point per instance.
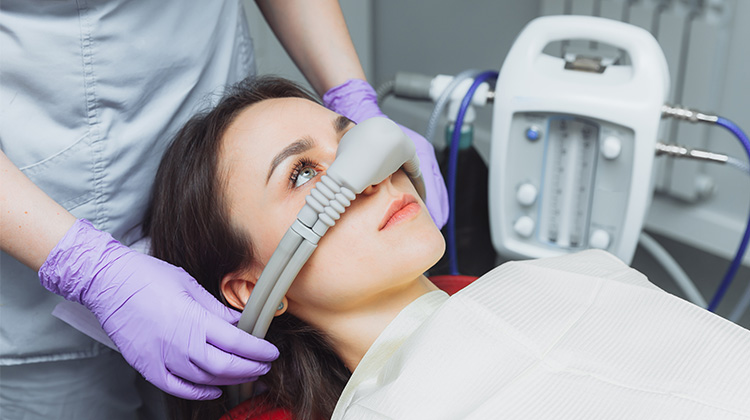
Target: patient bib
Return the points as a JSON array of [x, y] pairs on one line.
[[581, 336]]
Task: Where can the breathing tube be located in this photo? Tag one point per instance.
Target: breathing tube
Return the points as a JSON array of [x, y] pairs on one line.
[[442, 101], [737, 261], [695, 116], [452, 167]]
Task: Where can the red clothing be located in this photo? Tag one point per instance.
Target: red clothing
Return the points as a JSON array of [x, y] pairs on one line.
[[251, 410]]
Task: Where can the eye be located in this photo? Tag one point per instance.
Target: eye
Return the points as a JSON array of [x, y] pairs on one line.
[[303, 172], [307, 173]]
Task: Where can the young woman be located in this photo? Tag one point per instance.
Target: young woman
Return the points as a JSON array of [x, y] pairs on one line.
[[230, 186], [578, 336]]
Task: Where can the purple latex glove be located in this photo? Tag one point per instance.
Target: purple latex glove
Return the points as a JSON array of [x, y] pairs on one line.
[[168, 327], [357, 100]]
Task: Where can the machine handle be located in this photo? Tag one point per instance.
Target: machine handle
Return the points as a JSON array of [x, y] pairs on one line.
[[640, 45]]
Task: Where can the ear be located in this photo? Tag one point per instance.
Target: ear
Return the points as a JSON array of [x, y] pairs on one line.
[[236, 289]]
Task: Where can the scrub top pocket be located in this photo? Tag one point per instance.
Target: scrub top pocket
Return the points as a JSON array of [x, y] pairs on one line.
[[55, 175]]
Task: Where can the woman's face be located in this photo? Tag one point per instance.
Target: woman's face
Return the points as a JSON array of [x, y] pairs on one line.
[[272, 155]]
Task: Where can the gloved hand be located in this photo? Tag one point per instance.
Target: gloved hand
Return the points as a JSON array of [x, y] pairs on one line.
[[357, 100], [168, 327]]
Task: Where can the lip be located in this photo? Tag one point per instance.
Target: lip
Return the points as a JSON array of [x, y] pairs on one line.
[[400, 209]]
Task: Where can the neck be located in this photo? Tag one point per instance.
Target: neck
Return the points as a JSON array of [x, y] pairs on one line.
[[354, 333]]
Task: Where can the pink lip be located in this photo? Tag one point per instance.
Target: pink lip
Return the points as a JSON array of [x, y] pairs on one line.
[[400, 209]]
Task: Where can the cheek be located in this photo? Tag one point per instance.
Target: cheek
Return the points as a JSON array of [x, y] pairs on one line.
[[337, 272], [355, 264], [341, 254], [265, 241], [273, 225]]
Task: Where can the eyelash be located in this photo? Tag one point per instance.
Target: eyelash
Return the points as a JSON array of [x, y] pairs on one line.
[[297, 168]]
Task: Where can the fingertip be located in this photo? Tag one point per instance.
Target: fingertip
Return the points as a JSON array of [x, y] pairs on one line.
[[271, 351], [265, 368], [204, 392], [187, 390], [249, 369], [212, 394], [238, 342], [262, 351]]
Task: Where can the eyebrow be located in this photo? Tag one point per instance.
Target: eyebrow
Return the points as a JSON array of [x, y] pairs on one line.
[[341, 123], [304, 144]]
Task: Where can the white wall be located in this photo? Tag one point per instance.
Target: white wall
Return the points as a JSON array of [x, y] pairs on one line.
[[444, 37]]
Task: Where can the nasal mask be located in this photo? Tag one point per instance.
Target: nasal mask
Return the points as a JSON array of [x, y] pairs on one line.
[[367, 154]]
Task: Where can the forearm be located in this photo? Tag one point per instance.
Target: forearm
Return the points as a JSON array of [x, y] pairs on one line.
[[315, 35], [31, 223]]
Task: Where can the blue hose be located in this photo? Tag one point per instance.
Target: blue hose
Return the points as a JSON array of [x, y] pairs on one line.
[[735, 265], [453, 163]]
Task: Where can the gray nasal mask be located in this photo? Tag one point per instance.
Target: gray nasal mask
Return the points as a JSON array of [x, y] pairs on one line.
[[367, 154]]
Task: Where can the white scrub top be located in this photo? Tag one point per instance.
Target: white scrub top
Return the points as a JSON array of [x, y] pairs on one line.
[[576, 337], [91, 93]]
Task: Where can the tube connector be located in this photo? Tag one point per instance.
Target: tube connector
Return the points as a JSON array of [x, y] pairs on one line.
[[675, 150], [482, 95], [686, 114], [412, 86], [421, 87]]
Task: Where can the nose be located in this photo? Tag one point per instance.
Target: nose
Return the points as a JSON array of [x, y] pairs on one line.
[[372, 189]]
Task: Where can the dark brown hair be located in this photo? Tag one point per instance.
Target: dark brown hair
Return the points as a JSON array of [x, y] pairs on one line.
[[189, 226]]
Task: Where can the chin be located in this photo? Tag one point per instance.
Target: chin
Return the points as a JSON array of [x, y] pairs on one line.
[[438, 251], [427, 251]]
